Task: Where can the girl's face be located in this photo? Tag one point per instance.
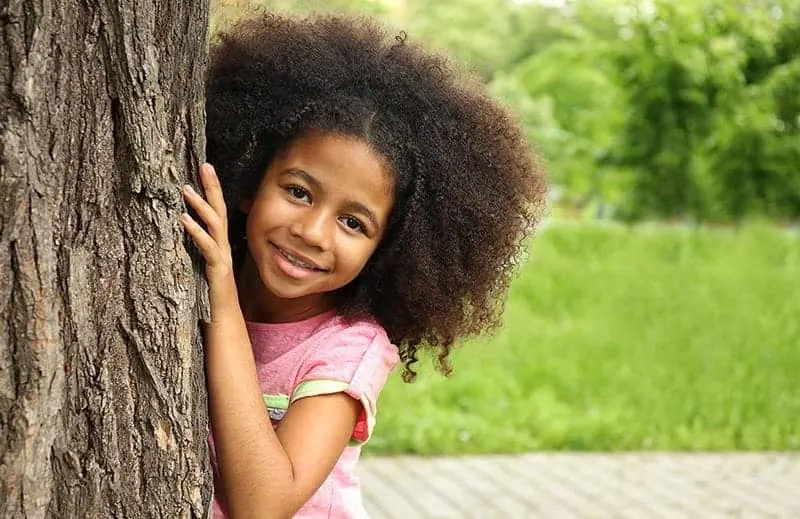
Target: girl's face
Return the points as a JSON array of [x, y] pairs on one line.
[[317, 217]]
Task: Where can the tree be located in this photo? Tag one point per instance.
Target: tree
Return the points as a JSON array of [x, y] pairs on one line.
[[102, 395], [711, 127], [565, 94]]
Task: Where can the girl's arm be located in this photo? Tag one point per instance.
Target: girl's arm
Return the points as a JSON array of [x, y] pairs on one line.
[[264, 472], [267, 473]]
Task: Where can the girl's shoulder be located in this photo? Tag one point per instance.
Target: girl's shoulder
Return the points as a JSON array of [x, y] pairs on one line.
[[351, 356], [343, 341], [353, 334]]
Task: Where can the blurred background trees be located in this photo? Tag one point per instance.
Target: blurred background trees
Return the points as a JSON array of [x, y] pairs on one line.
[[670, 109]]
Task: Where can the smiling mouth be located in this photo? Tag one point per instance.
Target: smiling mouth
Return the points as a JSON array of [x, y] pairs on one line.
[[298, 262]]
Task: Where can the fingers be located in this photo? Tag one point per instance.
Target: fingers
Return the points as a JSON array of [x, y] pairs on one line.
[[211, 211], [207, 245], [212, 241], [213, 189], [214, 222]]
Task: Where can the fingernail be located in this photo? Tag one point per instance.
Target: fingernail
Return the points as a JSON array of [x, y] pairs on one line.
[[186, 218], [210, 169], [188, 188]]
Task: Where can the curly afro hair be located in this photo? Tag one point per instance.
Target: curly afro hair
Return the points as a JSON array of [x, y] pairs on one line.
[[467, 188]]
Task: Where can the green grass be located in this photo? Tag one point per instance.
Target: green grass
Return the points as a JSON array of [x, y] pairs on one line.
[[623, 339]]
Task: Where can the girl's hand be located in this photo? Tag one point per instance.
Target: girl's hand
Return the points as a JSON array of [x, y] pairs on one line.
[[213, 240]]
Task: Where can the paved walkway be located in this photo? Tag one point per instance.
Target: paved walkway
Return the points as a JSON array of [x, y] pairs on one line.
[[591, 486]]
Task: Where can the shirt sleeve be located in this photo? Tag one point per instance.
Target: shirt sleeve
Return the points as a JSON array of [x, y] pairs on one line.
[[356, 361]]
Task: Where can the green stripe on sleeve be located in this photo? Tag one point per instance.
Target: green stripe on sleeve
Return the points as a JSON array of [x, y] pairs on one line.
[[276, 401], [318, 387]]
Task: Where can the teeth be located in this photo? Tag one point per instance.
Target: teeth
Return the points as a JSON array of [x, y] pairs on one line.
[[297, 262]]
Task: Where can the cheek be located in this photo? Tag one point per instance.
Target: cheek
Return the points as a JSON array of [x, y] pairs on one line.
[[359, 256], [266, 214]]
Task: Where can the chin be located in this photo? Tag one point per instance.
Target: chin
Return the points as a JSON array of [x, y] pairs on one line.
[[282, 291]]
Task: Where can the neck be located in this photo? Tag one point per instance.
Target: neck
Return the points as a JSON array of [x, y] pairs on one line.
[[260, 305]]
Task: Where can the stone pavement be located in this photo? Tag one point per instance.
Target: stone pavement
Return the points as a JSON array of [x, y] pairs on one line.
[[582, 485]]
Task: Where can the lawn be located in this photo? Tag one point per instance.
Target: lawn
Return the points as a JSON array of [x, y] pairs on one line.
[[656, 338]]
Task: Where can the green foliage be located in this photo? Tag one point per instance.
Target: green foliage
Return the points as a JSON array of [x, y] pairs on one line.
[[468, 30], [711, 122], [224, 12], [575, 115], [656, 338]]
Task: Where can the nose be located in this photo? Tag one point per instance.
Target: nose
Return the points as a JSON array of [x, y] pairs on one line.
[[315, 228]]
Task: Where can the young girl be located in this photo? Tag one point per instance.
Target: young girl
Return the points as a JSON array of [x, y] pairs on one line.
[[366, 203]]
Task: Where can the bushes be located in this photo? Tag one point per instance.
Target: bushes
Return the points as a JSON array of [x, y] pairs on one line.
[[670, 109], [712, 126]]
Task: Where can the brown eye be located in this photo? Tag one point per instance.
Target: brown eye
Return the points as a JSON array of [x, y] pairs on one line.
[[353, 224], [299, 193]]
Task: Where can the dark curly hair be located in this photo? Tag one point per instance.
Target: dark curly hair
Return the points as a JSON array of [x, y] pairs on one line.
[[467, 188]]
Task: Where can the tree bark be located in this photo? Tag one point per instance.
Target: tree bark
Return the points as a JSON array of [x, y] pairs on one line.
[[102, 392]]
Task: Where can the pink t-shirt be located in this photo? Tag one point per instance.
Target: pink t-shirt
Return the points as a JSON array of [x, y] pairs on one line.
[[323, 355]]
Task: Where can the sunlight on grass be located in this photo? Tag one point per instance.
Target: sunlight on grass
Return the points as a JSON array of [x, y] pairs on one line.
[[618, 339]]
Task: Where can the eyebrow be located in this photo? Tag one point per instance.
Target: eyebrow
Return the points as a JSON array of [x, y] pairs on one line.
[[352, 205], [306, 176]]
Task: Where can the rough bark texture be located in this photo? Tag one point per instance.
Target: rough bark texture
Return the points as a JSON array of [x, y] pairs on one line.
[[102, 396]]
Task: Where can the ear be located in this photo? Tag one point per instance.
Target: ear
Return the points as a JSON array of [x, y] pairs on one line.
[[245, 205]]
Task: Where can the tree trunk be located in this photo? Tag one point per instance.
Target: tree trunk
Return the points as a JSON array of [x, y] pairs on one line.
[[102, 392]]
